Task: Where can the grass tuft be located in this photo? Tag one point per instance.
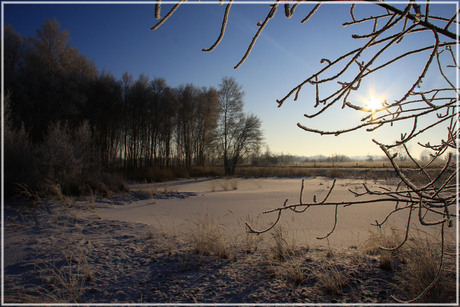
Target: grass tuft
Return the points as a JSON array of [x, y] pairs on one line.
[[66, 282], [209, 237], [282, 249], [332, 280], [422, 257]]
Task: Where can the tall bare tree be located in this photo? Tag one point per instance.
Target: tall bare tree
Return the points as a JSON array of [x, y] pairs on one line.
[[238, 133], [206, 125]]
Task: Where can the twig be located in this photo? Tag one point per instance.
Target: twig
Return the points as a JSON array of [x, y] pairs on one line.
[[406, 235], [333, 228], [256, 36], [175, 7], [222, 30]]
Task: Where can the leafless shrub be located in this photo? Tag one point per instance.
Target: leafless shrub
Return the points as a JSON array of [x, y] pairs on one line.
[[19, 170], [58, 162], [63, 163]]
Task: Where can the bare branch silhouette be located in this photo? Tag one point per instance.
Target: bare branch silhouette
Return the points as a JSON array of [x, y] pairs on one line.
[[423, 107]]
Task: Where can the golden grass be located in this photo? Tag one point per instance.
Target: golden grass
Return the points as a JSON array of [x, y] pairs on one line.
[[332, 280], [420, 257], [376, 240], [209, 237], [281, 248], [65, 283]]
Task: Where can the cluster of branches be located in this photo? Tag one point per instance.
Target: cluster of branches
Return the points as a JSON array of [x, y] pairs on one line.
[[427, 108]]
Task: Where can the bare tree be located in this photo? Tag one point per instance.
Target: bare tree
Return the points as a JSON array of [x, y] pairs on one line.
[[237, 133], [425, 107], [206, 124]]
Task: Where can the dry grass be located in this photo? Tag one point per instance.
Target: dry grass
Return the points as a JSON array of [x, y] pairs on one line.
[[290, 270], [422, 258], [228, 184], [249, 242], [293, 271], [66, 282], [332, 280], [225, 184], [168, 242], [281, 248], [209, 237], [376, 240]]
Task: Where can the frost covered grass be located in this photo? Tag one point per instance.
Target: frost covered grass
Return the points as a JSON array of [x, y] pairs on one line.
[[209, 237], [196, 250]]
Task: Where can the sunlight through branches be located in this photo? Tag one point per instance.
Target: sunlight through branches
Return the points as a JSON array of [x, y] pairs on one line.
[[421, 191]]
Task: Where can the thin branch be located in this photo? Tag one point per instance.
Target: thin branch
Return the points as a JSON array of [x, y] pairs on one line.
[[252, 230], [406, 235], [333, 228], [312, 12], [261, 27], [222, 30], [175, 7], [414, 18], [158, 10], [451, 21]]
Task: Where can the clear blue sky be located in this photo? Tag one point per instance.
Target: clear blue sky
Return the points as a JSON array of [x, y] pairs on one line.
[[117, 37]]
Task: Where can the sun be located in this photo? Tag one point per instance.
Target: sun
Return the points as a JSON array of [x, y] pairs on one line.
[[374, 103]]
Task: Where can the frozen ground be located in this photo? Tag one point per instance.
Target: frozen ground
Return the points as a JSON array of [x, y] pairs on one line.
[[233, 201], [138, 247]]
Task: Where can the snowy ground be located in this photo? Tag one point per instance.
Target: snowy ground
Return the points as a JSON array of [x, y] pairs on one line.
[[140, 247]]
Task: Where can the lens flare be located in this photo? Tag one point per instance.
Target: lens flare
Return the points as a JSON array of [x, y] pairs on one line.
[[374, 103]]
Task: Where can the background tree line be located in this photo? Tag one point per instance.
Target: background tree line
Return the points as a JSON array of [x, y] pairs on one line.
[[55, 94]]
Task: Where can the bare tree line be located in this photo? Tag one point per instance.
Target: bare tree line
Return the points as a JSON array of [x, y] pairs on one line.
[[132, 124]]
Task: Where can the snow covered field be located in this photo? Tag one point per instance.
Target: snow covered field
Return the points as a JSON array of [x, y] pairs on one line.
[[142, 246], [233, 201]]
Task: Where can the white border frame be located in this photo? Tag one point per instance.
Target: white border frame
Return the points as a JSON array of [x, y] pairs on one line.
[[239, 2]]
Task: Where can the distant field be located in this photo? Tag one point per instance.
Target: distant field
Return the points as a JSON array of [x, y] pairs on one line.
[[356, 169], [360, 169], [357, 164]]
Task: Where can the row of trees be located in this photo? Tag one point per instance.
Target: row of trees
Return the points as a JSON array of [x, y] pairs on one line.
[[133, 123]]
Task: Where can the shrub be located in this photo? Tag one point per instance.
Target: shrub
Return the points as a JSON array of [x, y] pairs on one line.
[[19, 160], [59, 162], [64, 163]]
